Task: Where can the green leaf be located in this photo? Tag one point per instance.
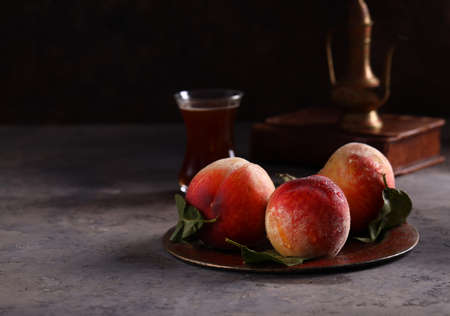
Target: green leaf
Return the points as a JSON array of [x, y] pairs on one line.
[[396, 208], [178, 232], [281, 178], [364, 239], [255, 257], [285, 177], [190, 220], [181, 204]]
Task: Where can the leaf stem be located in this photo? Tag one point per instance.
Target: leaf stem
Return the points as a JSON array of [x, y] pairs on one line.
[[233, 242], [385, 181], [212, 220]]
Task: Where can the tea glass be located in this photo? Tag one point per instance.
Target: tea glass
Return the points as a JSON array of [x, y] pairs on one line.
[[208, 118]]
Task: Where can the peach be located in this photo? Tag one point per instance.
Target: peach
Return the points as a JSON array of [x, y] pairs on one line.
[[358, 170], [235, 192], [308, 217]]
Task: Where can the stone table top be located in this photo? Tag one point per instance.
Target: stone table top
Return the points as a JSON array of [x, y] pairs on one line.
[[83, 210]]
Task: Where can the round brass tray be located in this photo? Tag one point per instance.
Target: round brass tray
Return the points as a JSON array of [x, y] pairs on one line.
[[398, 241]]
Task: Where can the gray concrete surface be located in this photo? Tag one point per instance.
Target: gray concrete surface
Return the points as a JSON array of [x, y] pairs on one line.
[[83, 209]]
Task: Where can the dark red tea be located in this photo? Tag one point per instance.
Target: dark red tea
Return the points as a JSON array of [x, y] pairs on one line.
[[209, 133]]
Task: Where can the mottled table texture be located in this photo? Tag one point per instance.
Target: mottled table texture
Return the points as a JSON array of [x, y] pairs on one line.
[[83, 210]]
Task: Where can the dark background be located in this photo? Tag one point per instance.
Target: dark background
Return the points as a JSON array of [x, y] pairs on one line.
[[119, 61]]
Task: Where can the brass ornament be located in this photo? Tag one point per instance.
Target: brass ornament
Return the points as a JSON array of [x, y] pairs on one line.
[[359, 93]]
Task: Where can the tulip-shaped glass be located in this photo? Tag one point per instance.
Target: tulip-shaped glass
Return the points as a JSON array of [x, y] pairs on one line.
[[209, 118]]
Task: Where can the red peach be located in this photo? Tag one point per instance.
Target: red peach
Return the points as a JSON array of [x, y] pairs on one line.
[[235, 192], [308, 217], [358, 170]]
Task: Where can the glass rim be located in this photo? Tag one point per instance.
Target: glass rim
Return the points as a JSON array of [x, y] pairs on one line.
[[208, 94]]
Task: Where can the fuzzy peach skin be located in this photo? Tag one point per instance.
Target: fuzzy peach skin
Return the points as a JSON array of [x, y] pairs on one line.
[[308, 217], [358, 170], [236, 192]]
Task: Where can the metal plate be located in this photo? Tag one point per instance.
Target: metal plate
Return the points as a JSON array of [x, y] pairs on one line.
[[355, 254]]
